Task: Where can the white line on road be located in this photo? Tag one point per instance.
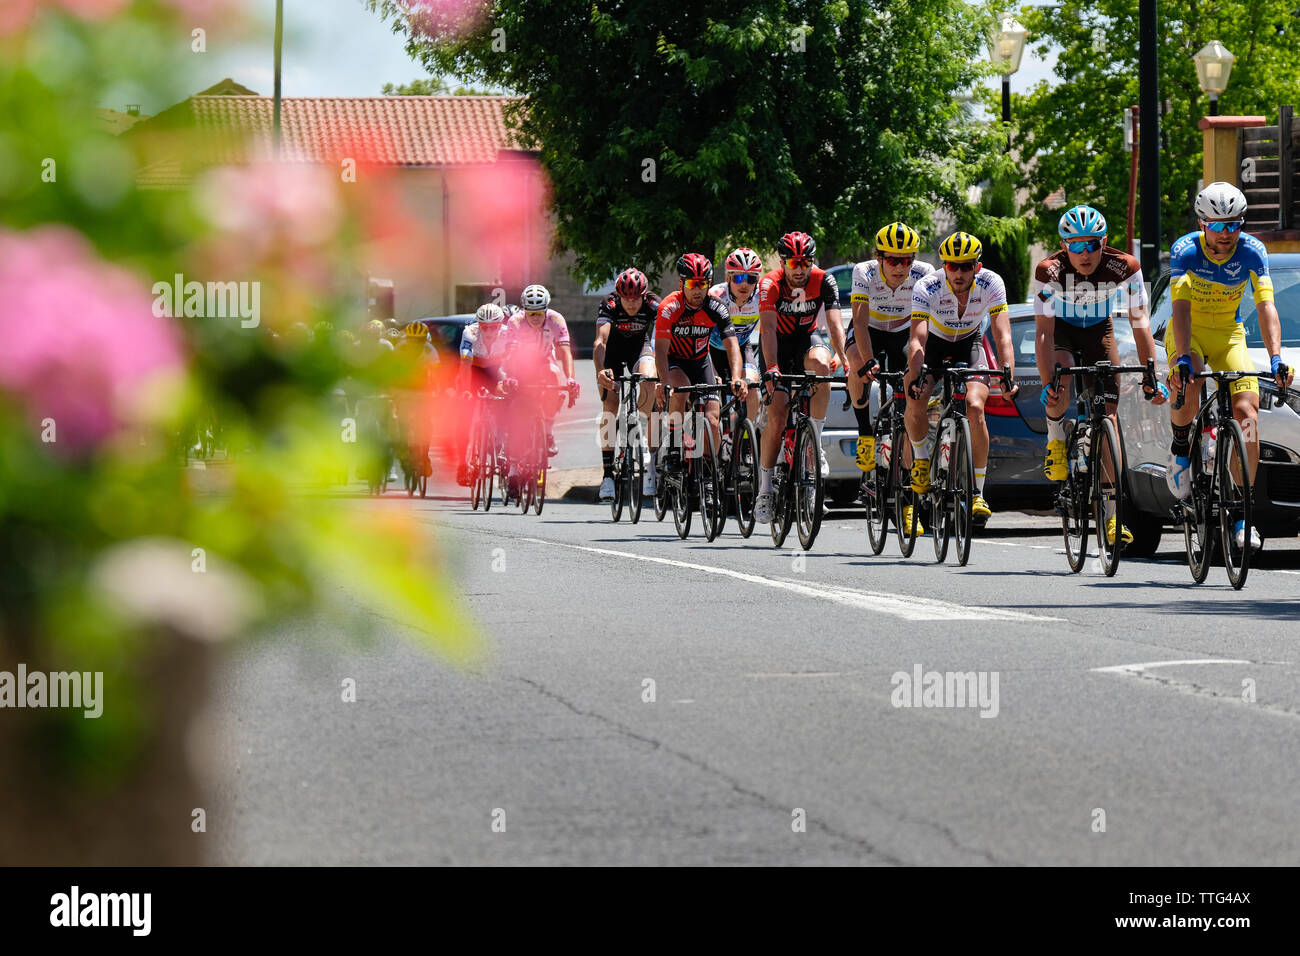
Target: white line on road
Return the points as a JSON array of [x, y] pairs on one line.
[[1139, 673], [575, 421], [897, 605], [1151, 665]]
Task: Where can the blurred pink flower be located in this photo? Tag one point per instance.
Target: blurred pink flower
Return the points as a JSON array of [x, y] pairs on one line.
[[447, 19], [17, 14], [81, 343], [268, 205]]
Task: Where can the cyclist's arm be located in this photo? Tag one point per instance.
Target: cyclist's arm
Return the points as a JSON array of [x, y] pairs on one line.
[[916, 347], [860, 316], [1000, 326], [1180, 327], [836, 328], [733, 358], [767, 337], [598, 350], [462, 373], [1270, 327]]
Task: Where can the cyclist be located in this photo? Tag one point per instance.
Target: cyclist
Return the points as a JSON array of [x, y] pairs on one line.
[[624, 342], [1075, 292], [738, 293], [791, 298], [1209, 269], [416, 359], [684, 324], [882, 310], [948, 311], [482, 345], [537, 352]]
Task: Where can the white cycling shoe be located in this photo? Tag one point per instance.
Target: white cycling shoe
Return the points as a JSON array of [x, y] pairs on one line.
[[606, 489], [1178, 476], [825, 465], [1239, 536], [763, 508]]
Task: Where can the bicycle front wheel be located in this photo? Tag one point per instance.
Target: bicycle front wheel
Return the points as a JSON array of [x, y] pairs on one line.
[[904, 497], [876, 505], [1107, 458], [1197, 509], [1232, 485], [635, 471], [744, 475], [713, 509], [782, 503], [808, 487], [620, 482], [1072, 503], [962, 478]]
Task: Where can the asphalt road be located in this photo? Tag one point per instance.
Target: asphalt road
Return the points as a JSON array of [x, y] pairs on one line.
[[1137, 720]]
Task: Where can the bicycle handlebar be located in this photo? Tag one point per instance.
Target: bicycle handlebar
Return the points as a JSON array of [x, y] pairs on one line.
[[1224, 376], [1105, 368]]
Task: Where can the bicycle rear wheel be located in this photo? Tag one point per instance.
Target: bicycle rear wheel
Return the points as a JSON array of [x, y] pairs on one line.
[[809, 490], [876, 504], [1232, 484], [679, 494], [1107, 456], [782, 503], [904, 496], [940, 512], [744, 475], [620, 481], [474, 455], [963, 492]]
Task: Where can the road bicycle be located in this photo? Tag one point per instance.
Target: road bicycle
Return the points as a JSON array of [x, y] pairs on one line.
[[1220, 481], [880, 489], [533, 460], [630, 450], [1094, 456], [739, 461], [798, 489], [485, 454], [952, 480], [695, 483]]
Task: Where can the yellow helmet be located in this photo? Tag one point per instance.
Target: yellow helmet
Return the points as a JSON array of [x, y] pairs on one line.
[[960, 247], [417, 330], [898, 239]]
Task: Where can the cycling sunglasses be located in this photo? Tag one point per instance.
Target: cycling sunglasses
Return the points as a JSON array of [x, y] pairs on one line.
[[698, 283], [959, 266], [897, 260], [747, 278], [1231, 226], [1084, 245], [798, 263]]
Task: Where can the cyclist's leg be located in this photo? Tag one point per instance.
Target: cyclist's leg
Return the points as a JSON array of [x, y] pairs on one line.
[[608, 426], [1245, 395], [677, 404], [750, 367]]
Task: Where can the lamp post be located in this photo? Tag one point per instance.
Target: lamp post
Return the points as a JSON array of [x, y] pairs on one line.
[[1006, 45], [279, 39], [1213, 67]]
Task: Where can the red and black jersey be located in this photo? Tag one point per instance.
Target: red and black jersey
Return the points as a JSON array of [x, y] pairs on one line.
[[687, 330], [796, 309], [627, 329]]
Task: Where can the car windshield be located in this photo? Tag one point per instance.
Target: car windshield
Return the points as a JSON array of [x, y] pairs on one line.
[[1023, 330], [446, 334], [1286, 293]]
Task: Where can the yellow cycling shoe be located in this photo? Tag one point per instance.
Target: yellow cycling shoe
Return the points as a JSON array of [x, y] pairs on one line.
[[908, 519], [921, 475], [1054, 464], [866, 452], [1125, 535], [979, 508]]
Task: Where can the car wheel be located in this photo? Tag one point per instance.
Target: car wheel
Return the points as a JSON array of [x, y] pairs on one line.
[[1146, 530]]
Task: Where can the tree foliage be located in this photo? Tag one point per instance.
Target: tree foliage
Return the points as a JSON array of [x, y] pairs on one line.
[[1074, 128], [430, 86], [666, 126]]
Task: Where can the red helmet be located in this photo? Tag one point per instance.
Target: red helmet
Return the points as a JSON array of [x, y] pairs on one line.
[[694, 265], [796, 245], [744, 260], [631, 283]]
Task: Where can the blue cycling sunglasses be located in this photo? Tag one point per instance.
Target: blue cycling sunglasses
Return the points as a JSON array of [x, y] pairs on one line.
[[1231, 226], [1084, 245], [745, 278]]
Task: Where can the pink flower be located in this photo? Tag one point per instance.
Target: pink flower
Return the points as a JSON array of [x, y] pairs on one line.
[[266, 206], [15, 15], [81, 343], [447, 19]]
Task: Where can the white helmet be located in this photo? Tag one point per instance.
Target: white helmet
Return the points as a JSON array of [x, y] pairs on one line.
[[535, 298], [489, 314], [1220, 201]]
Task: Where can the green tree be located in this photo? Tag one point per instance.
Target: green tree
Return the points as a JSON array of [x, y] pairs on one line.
[[431, 86], [1074, 128], [667, 127]]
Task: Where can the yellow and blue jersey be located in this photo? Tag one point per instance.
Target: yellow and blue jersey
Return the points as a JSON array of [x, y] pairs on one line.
[[1215, 288]]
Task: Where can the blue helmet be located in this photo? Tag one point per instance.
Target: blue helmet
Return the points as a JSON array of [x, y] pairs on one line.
[[1082, 221]]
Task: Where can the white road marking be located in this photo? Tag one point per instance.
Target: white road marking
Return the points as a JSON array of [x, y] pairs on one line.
[[896, 605], [761, 676], [575, 421], [1151, 665]]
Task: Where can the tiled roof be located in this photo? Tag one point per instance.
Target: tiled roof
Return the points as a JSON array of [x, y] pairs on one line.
[[1056, 199], [386, 130]]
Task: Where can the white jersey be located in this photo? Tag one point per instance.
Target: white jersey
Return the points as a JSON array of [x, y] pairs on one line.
[[744, 318], [889, 309], [525, 341], [935, 302], [474, 344]]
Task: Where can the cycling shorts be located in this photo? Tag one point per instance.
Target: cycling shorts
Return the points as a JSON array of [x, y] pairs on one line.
[[1223, 349]]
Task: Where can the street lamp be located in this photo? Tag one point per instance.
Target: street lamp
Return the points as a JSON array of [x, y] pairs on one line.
[[1006, 46], [1213, 67]]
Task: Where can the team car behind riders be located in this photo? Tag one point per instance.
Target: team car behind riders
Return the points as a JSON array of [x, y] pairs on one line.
[[881, 297], [625, 323], [1209, 270], [686, 320], [948, 312], [1075, 293], [791, 298]]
